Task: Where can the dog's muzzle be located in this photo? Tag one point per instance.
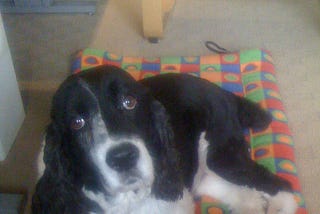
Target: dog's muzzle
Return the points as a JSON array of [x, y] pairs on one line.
[[123, 157]]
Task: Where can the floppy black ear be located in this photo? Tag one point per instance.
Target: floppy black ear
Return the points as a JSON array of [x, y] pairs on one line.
[[168, 184], [52, 150], [56, 132], [45, 199]]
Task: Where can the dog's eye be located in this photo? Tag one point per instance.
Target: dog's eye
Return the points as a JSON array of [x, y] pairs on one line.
[[129, 102], [77, 123]]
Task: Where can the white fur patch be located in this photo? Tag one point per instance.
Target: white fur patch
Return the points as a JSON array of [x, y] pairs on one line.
[[40, 163], [282, 203], [131, 203], [241, 199], [114, 183]]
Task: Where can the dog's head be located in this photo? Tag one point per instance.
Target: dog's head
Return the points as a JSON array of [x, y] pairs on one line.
[[109, 135]]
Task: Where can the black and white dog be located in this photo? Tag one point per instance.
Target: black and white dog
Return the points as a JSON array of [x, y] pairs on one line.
[[120, 146]]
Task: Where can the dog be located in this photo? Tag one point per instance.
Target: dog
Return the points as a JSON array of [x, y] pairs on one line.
[[109, 149], [115, 145]]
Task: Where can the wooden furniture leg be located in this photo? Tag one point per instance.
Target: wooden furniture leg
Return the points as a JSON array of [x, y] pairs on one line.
[[154, 15]]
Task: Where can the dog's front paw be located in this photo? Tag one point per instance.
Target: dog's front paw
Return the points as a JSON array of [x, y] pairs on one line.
[[282, 203], [255, 203]]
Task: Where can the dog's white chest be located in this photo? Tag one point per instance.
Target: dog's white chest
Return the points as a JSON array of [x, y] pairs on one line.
[[131, 203]]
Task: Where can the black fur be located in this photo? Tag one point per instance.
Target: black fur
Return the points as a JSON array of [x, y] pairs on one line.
[[68, 165], [196, 105]]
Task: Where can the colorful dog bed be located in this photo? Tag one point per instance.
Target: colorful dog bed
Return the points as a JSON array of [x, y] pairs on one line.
[[246, 73]]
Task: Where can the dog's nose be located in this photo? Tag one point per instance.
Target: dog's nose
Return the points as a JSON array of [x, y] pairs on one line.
[[123, 157]]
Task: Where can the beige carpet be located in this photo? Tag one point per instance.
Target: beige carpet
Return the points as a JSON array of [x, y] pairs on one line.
[[41, 46]]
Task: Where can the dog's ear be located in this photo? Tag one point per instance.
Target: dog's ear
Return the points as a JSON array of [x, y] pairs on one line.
[[44, 198], [168, 184], [52, 156], [55, 133]]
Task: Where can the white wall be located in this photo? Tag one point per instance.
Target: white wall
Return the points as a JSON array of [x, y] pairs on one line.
[[11, 107]]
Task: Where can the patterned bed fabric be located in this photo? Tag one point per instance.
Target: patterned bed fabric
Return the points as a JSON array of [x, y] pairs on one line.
[[247, 73]]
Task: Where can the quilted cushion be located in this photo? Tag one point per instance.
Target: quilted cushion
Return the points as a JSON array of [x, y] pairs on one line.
[[247, 73]]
